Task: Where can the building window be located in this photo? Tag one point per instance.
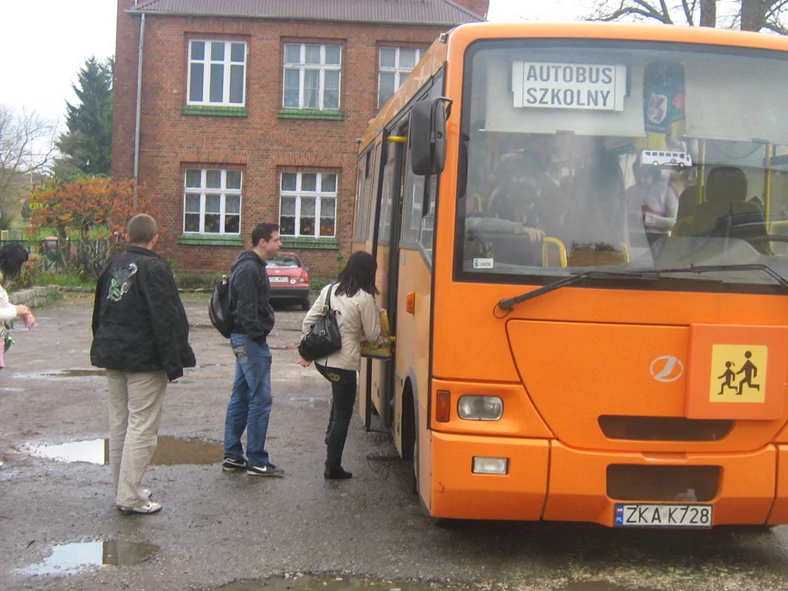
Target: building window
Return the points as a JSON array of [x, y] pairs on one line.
[[217, 73], [308, 204], [312, 76], [212, 201], [395, 65]]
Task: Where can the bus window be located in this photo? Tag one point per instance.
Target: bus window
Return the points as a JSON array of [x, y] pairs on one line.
[[427, 234], [388, 197], [373, 190]]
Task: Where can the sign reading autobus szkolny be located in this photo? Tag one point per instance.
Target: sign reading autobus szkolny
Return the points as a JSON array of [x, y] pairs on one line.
[[549, 85]]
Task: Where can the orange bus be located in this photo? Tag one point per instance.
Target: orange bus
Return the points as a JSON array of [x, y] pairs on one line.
[[585, 331]]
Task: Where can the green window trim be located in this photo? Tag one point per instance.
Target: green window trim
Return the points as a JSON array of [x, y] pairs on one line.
[[310, 243], [211, 240], [310, 114], [215, 111]]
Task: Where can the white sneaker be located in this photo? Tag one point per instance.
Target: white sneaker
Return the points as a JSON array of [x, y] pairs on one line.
[[147, 508], [147, 493]]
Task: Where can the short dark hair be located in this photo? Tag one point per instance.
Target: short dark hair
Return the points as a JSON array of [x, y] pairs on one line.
[[263, 232], [142, 229], [358, 274], [12, 256]]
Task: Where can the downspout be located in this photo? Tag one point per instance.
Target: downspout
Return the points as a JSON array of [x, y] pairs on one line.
[[138, 113]]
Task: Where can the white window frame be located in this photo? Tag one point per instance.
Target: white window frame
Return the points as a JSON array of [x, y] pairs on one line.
[[319, 194], [302, 67], [226, 63], [204, 190], [399, 72]]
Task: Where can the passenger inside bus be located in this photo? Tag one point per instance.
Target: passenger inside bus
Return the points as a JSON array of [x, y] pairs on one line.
[[491, 237], [652, 204], [596, 220]]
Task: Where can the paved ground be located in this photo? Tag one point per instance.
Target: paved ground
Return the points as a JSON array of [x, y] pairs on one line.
[[218, 528]]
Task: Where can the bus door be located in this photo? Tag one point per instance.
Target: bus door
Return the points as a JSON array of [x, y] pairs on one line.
[[388, 231]]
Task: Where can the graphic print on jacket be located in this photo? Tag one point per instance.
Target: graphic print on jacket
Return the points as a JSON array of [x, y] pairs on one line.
[[120, 282]]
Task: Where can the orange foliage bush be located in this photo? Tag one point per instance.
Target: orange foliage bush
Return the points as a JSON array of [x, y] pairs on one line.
[[91, 213]]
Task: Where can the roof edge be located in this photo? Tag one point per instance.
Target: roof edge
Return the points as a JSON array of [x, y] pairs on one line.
[[294, 18]]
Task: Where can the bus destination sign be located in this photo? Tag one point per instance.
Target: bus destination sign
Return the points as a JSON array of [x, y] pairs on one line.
[[548, 85]]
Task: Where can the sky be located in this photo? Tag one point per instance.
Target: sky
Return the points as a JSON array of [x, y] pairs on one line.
[[45, 43]]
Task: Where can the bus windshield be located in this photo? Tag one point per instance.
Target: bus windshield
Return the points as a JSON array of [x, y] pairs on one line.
[[588, 155]]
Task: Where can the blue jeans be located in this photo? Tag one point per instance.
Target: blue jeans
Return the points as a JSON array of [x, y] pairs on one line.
[[250, 403]]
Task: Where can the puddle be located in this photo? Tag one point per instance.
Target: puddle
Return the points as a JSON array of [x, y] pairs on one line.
[[308, 583], [601, 586], [62, 373], [169, 452], [70, 558], [77, 373]]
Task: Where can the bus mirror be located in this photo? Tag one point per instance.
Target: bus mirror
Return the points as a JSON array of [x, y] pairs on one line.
[[428, 137]]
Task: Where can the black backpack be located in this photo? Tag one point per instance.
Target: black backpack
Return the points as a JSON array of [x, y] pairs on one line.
[[219, 308]]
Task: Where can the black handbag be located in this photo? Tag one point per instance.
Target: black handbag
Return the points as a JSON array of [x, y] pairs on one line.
[[323, 338]]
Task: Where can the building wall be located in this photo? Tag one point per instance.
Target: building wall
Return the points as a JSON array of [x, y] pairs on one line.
[[262, 144]]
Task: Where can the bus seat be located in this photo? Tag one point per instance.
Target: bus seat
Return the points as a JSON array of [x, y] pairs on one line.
[[726, 213], [683, 227], [688, 202], [726, 194]]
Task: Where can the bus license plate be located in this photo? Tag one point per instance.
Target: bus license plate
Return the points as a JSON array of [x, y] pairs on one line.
[[661, 515]]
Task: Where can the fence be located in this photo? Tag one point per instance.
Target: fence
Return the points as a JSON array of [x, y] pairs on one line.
[[62, 255]]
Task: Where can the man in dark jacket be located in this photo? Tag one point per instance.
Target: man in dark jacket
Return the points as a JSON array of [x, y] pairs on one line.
[[250, 403], [140, 335]]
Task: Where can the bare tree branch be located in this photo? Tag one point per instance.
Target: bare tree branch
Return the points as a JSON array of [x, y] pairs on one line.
[[27, 144]]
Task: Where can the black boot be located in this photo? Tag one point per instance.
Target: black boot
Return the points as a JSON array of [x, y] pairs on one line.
[[336, 473]]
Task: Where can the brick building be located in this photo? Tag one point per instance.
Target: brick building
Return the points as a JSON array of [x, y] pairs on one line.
[[248, 111]]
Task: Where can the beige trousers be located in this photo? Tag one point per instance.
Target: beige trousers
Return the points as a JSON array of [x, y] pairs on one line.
[[135, 401]]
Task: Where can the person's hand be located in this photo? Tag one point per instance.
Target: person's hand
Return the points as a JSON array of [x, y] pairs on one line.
[[304, 363], [26, 315], [534, 234]]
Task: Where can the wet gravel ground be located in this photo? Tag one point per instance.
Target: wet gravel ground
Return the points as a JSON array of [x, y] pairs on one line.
[[231, 531]]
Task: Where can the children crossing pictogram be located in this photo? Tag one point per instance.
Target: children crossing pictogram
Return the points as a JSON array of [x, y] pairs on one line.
[[738, 372]]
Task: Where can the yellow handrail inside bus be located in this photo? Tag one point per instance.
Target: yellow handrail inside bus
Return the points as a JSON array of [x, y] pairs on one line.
[[626, 251], [398, 139], [546, 242]]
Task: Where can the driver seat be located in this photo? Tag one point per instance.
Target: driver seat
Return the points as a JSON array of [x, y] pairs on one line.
[[726, 213]]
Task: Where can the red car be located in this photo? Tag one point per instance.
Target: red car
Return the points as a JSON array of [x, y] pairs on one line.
[[289, 279]]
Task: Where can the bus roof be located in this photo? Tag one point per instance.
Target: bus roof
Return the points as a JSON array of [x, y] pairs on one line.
[[437, 54]]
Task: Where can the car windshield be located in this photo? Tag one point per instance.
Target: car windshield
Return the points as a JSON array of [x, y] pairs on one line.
[[620, 156]]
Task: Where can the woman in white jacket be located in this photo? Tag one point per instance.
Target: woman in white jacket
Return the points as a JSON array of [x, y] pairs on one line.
[[12, 257], [353, 298]]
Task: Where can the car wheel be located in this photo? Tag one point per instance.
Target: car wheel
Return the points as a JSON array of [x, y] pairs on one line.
[[305, 305]]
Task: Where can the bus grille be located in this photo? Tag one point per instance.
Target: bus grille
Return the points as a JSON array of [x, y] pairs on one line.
[[663, 483], [663, 428]]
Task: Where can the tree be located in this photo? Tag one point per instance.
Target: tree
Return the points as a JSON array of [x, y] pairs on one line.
[[87, 145], [27, 143], [748, 15], [91, 214]]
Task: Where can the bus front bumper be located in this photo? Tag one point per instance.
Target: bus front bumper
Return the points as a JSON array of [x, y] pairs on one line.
[[547, 480]]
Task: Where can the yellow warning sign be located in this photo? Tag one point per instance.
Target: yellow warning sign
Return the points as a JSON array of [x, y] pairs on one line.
[[738, 373]]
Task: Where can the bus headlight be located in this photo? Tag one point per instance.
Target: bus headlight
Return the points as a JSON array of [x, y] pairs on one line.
[[482, 465], [480, 408]]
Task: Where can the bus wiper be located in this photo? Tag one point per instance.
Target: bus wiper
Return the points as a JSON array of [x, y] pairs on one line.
[[649, 274], [508, 303]]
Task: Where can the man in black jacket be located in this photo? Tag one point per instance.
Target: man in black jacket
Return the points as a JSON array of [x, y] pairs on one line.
[[141, 336], [250, 403]]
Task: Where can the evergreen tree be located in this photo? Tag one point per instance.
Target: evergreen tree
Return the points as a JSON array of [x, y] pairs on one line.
[[86, 147]]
